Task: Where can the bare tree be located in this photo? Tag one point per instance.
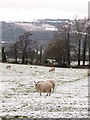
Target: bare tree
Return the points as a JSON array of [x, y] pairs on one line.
[[89, 41], [23, 44], [24, 48], [56, 50], [84, 49], [64, 35], [70, 38], [40, 53], [60, 48], [15, 51], [81, 29], [3, 54]]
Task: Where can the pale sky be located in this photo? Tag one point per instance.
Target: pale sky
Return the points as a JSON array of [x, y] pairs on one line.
[[26, 10]]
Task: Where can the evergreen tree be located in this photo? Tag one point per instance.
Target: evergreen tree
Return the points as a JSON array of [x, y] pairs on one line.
[[3, 54]]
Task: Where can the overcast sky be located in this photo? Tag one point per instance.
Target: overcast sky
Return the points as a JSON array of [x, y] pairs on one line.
[[26, 10]]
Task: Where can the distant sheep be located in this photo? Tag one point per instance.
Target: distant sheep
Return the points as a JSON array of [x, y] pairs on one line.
[[52, 69], [8, 66], [43, 87], [30, 67], [35, 67], [53, 83], [88, 73]]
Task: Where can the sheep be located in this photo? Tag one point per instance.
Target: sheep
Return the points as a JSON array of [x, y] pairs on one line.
[[8, 66], [88, 73], [52, 69], [43, 87], [53, 83]]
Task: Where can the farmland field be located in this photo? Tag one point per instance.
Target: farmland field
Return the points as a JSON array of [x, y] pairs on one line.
[[18, 98]]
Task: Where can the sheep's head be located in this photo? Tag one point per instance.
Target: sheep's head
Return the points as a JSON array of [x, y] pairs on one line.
[[36, 87]]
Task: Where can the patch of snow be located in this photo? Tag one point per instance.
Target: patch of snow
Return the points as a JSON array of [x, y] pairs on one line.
[[69, 100]]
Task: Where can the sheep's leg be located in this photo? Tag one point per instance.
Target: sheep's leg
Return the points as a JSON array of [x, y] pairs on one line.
[[40, 94], [47, 94], [53, 90]]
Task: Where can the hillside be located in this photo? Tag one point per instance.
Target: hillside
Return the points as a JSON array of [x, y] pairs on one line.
[[43, 30]]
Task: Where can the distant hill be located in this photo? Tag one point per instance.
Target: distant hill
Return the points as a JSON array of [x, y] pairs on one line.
[[43, 30], [11, 32]]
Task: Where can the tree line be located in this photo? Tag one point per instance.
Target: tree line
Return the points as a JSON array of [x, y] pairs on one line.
[[71, 42]]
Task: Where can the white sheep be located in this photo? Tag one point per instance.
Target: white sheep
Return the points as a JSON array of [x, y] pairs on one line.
[[8, 66], [52, 69], [43, 87], [88, 73]]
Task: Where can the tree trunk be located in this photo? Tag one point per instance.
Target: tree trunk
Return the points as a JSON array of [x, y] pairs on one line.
[[84, 50], [23, 59], [3, 55], [79, 48], [68, 49], [89, 56], [89, 44], [40, 54], [23, 55], [15, 52]]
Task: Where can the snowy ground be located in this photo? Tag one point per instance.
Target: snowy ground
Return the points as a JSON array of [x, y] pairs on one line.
[[18, 98]]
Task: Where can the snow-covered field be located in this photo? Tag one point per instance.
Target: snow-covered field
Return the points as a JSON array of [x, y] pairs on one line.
[[17, 96]]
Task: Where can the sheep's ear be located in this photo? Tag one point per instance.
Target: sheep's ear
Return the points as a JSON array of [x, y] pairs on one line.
[[34, 82]]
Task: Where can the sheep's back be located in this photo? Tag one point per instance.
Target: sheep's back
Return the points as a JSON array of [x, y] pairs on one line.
[[44, 86]]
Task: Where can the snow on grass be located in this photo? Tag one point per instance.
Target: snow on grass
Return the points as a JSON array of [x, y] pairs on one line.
[[18, 97]]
